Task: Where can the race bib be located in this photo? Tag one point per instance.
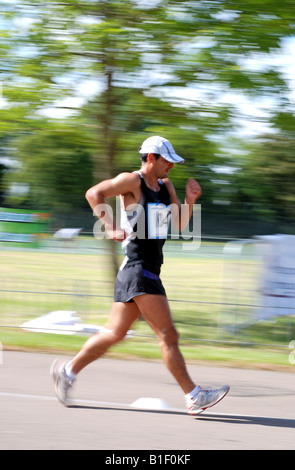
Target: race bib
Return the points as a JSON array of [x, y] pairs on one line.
[[158, 220]]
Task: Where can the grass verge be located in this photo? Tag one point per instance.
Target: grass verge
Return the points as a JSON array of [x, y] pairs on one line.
[[258, 357]]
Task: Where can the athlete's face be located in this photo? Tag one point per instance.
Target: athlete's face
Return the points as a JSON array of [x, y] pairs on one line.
[[162, 167]]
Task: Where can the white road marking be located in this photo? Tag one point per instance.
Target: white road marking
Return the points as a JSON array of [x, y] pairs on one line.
[[110, 404], [23, 395], [73, 401]]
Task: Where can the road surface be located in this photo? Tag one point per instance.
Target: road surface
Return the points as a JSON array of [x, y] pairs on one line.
[[258, 412]]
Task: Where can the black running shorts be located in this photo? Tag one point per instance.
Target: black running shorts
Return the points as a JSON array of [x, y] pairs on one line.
[[135, 280]]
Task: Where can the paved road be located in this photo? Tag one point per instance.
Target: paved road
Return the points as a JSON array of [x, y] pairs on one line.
[[258, 413]]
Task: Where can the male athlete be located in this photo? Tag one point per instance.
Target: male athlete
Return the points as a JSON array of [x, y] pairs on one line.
[[147, 198]]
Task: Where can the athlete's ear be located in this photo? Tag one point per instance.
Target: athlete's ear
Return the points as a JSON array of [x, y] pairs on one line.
[[150, 157]]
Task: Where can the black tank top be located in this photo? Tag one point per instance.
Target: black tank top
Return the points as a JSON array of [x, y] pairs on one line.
[[147, 226]]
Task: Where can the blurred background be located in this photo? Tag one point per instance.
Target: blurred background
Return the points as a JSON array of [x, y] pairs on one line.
[[83, 83]]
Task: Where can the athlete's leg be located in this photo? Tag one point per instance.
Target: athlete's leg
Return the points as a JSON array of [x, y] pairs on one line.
[[155, 309], [121, 318]]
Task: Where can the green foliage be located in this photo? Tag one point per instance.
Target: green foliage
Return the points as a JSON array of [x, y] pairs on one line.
[[267, 181], [161, 67], [58, 168]]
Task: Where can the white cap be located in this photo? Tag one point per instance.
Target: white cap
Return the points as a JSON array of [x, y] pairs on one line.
[[162, 146]]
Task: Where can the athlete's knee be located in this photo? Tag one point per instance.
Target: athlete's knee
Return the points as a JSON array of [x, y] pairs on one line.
[[169, 336], [116, 335], [102, 340]]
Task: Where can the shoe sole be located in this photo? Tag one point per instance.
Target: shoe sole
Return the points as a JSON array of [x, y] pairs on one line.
[[53, 373], [53, 368], [201, 410]]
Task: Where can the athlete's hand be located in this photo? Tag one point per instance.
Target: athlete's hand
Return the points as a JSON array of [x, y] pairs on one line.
[[117, 234], [192, 191]]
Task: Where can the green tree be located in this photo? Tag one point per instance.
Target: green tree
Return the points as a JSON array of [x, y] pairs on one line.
[[131, 50], [162, 67], [266, 181], [58, 168], [2, 172]]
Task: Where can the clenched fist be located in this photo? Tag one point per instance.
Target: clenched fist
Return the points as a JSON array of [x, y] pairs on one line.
[[192, 191]]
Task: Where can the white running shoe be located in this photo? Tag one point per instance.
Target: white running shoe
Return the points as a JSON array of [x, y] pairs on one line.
[[62, 383], [205, 399]]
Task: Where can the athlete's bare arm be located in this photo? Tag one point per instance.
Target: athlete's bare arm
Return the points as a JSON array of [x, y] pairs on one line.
[[192, 193], [126, 185]]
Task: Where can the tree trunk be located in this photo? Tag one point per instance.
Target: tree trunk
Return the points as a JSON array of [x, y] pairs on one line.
[[110, 146]]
